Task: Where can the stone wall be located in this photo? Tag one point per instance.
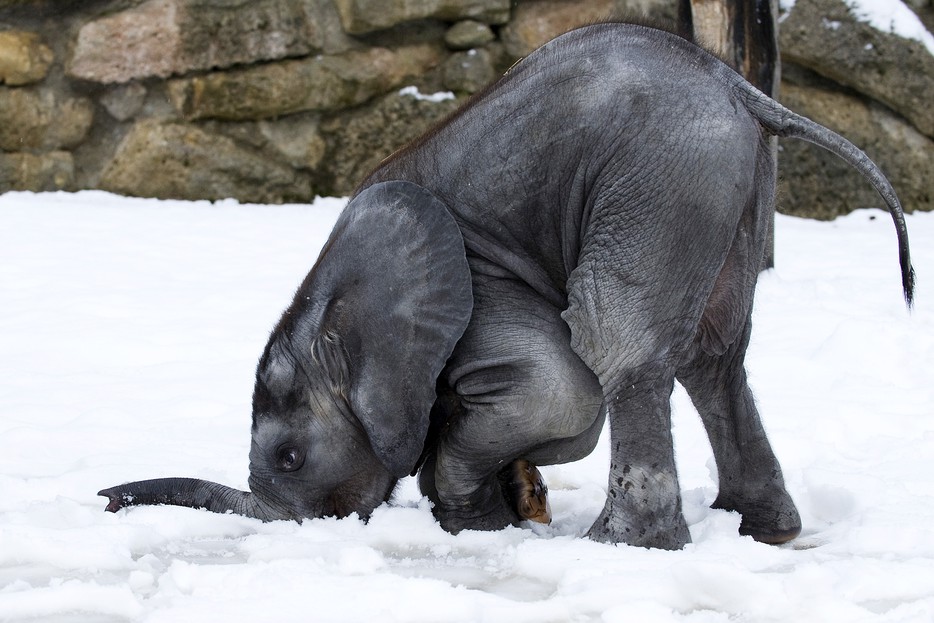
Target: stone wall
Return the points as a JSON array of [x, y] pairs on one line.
[[280, 100], [874, 88]]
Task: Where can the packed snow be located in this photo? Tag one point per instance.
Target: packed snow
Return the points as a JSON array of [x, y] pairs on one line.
[[130, 329]]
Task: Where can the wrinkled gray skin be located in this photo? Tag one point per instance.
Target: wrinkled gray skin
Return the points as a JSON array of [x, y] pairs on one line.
[[566, 246]]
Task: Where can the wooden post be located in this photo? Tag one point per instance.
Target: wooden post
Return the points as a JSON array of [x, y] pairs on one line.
[[744, 33]]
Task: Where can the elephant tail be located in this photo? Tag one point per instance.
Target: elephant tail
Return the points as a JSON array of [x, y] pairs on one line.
[[784, 123]]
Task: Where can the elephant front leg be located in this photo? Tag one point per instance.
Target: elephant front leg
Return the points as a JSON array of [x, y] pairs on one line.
[[516, 391], [518, 492], [472, 487], [464, 502], [643, 505]]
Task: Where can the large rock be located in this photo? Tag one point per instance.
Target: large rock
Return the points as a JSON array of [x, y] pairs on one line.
[[925, 11], [536, 22], [470, 71], [815, 183], [363, 16], [24, 59], [825, 37], [295, 139], [124, 101], [184, 162], [42, 119], [322, 83], [468, 34], [358, 141], [165, 37], [37, 172]]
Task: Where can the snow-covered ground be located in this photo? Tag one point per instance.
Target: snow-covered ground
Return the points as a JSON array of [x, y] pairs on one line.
[[129, 331]]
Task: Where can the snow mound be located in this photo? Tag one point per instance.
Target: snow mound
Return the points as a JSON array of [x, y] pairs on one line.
[[130, 330]]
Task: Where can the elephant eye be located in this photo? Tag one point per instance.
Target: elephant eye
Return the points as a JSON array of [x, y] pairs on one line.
[[289, 458]]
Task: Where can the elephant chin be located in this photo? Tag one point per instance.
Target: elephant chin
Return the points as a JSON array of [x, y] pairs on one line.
[[190, 492]]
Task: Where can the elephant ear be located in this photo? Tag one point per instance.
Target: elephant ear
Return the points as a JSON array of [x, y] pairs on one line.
[[399, 296]]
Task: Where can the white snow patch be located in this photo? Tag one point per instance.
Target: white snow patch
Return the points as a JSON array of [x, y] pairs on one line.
[[440, 96], [892, 16], [784, 8], [130, 331]]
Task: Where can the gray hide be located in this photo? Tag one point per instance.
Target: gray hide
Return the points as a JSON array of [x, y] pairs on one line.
[[559, 251]]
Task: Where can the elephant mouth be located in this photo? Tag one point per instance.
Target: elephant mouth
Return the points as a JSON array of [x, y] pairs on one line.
[[360, 495]]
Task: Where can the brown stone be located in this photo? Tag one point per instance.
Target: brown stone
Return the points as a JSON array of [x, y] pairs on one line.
[[823, 36], [818, 184], [165, 37], [468, 34], [42, 120], [137, 43], [36, 172], [323, 83], [363, 16], [184, 162], [535, 23], [359, 140], [469, 72], [24, 59], [124, 101], [293, 139], [297, 139]]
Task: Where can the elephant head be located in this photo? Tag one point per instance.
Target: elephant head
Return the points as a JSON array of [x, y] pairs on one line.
[[347, 380]]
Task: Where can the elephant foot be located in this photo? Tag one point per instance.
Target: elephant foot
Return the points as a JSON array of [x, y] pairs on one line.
[[472, 516], [525, 489], [643, 508], [657, 533], [769, 517], [486, 508]]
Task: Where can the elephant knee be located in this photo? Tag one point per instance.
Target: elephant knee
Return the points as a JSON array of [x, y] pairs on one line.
[[566, 401]]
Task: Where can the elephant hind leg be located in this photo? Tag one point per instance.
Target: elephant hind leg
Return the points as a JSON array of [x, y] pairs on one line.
[[730, 301], [714, 375], [750, 478], [634, 312]]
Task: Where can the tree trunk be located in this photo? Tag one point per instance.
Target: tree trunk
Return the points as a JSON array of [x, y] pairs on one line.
[[744, 33]]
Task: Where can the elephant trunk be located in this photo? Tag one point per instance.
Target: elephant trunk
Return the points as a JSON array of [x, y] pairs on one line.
[[190, 492]]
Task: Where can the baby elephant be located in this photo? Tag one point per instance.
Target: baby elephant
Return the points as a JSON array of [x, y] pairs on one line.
[[557, 252]]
